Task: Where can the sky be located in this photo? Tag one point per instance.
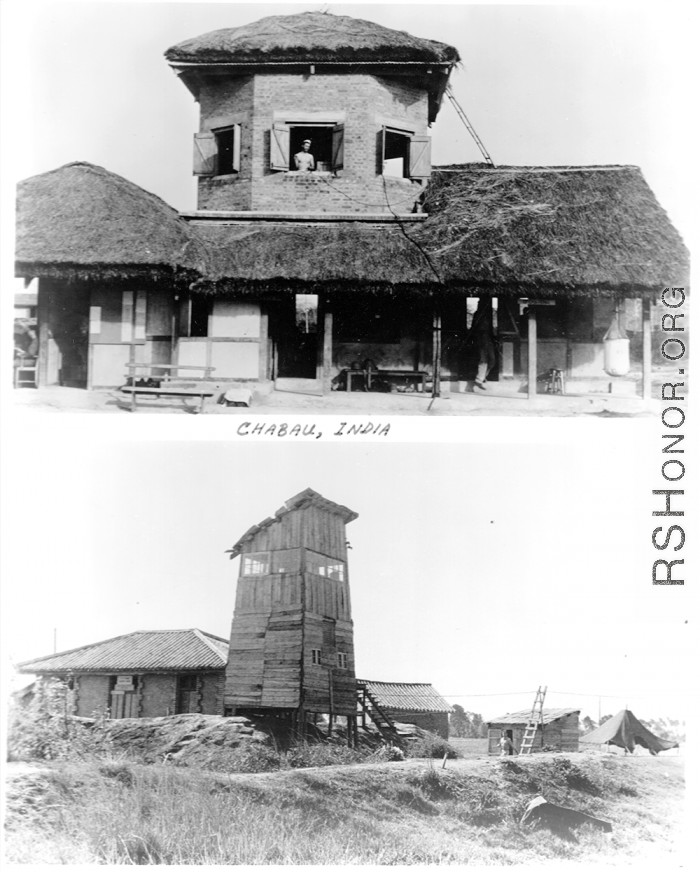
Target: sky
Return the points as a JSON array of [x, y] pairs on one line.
[[486, 568]]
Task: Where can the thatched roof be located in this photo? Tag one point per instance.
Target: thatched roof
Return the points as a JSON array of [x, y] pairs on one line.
[[274, 257], [81, 220], [522, 231], [550, 228], [310, 37]]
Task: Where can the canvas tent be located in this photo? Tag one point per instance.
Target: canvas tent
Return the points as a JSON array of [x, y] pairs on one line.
[[625, 731]]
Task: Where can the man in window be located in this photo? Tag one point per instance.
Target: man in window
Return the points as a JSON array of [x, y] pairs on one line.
[[304, 160]]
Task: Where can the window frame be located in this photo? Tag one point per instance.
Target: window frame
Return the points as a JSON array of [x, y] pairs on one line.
[[206, 159], [342, 659], [316, 657], [280, 157], [416, 159], [250, 556]]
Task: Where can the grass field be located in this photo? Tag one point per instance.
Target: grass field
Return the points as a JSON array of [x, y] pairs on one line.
[[403, 813]]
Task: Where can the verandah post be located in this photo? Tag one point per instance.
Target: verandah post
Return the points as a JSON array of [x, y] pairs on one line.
[[646, 348], [327, 362], [531, 353], [437, 349]]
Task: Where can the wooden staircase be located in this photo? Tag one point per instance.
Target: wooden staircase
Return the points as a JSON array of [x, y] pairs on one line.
[[535, 720], [368, 706]]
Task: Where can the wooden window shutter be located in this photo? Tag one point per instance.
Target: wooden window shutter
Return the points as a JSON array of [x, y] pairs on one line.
[[236, 148], [204, 154], [338, 150], [279, 146], [419, 166], [381, 148]]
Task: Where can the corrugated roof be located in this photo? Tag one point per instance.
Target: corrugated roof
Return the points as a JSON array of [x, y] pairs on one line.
[[522, 717], [408, 697], [142, 650]]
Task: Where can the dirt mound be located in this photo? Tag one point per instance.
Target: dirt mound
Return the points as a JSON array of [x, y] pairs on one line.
[[208, 741]]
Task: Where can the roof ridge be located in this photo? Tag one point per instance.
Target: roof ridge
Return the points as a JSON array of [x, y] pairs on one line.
[[202, 636]]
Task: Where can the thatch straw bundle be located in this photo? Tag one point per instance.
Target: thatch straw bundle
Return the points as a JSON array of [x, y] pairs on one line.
[[566, 228], [81, 220], [310, 37]]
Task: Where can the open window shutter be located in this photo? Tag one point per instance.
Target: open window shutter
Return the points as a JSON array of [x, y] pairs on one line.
[[204, 154], [419, 166], [381, 148], [236, 148], [338, 150], [279, 146]]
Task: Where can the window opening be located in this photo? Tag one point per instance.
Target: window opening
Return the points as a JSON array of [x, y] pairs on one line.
[[342, 660], [316, 656], [256, 564], [396, 154], [227, 151], [327, 567], [327, 143], [403, 155], [306, 312]]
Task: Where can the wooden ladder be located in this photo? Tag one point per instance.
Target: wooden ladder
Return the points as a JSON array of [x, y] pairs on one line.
[[368, 705], [534, 722]]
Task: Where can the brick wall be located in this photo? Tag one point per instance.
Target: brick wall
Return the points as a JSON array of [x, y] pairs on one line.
[[158, 695], [363, 103], [212, 693], [92, 694]]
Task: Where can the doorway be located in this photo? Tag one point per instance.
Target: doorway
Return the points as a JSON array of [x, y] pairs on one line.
[[295, 332]]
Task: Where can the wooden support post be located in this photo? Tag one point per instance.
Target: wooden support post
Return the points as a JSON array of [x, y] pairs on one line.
[[327, 360], [531, 353], [437, 351], [646, 349], [264, 354], [43, 317]]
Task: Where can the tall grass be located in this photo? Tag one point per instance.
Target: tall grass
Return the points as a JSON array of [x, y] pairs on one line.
[[414, 813]]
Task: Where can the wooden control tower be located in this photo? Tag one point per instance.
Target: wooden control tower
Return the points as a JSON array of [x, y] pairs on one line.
[[291, 648]]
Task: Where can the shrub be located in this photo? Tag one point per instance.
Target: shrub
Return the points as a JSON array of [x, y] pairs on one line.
[[430, 745]]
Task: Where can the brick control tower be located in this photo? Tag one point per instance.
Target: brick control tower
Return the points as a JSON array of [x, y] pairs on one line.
[[364, 95]]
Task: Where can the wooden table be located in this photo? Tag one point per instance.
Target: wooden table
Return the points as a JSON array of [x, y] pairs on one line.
[[168, 389]]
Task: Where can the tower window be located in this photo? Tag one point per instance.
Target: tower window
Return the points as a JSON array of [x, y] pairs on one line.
[[328, 567], [218, 152], [316, 656], [342, 660], [327, 145], [403, 155], [256, 564]]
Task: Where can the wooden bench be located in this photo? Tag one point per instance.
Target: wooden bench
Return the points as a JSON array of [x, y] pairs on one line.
[[368, 374], [166, 388]]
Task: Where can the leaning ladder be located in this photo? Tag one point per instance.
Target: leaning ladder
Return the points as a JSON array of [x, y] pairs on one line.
[[467, 124], [536, 718]]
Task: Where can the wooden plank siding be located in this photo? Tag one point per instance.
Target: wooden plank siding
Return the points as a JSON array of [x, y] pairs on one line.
[[280, 617], [559, 735]]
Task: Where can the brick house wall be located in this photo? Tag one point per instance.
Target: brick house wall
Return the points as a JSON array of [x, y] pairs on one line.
[[362, 103], [91, 694], [158, 695]]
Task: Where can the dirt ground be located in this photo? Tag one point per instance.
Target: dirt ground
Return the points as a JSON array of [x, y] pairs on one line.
[[63, 399]]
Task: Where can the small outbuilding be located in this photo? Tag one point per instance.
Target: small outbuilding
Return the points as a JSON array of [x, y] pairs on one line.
[[147, 674], [558, 730], [418, 704]]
